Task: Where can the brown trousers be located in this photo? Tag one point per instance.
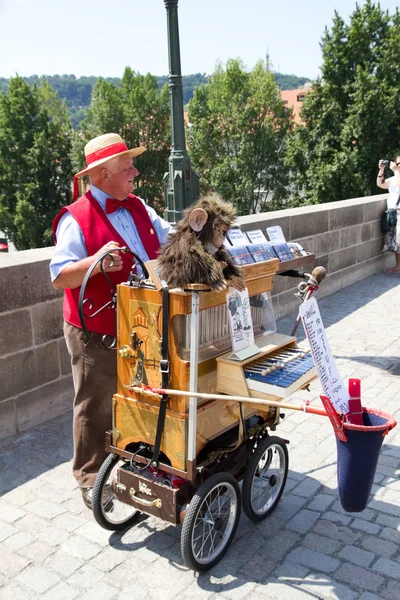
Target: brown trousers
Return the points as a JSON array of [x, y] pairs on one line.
[[94, 373]]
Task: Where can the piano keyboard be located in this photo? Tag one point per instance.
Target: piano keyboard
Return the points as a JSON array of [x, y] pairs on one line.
[[281, 372]]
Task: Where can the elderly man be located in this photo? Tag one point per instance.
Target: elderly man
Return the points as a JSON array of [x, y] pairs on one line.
[[108, 216]]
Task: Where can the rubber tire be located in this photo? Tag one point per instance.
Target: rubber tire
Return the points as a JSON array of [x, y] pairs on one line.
[[99, 514], [191, 515], [250, 474]]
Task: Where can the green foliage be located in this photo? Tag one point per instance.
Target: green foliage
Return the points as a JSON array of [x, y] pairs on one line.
[[35, 163], [139, 111], [238, 126], [289, 82], [77, 91], [352, 114]]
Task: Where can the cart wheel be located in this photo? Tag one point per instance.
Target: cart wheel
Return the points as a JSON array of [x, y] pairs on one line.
[[109, 512], [210, 522], [265, 478]]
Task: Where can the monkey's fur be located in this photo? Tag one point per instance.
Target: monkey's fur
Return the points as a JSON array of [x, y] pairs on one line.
[[184, 259]]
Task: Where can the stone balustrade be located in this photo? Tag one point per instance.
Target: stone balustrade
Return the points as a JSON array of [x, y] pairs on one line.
[[34, 365]]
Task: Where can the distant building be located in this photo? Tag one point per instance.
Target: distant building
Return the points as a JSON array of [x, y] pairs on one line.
[[294, 99]]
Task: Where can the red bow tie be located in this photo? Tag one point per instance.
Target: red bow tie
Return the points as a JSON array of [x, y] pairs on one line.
[[112, 205]]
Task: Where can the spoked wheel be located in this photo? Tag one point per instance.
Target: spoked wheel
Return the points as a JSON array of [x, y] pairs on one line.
[[265, 478], [210, 522], [109, 512]]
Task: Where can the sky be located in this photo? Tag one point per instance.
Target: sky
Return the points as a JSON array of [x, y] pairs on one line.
[[102, 37]]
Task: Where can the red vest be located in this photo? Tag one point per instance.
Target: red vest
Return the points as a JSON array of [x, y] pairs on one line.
[[97, 231]]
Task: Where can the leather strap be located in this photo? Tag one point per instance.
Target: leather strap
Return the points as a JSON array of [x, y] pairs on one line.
[[164, 368]]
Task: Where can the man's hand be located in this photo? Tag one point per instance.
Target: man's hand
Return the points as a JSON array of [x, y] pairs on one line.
[[111, 262]]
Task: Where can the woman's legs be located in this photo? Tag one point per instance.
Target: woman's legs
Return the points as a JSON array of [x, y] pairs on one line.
[[396, 268]]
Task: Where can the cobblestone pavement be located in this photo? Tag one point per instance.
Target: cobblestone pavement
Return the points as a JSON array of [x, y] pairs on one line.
[[51, 547]]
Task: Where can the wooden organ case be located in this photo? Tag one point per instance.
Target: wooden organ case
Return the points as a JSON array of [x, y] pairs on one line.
[[139, 332]]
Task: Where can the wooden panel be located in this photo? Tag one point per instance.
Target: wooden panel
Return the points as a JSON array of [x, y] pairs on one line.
[[260, 269], [219, 416], [296, 263], [136, 421]]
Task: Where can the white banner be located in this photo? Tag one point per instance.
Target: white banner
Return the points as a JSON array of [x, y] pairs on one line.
[[331, 381]]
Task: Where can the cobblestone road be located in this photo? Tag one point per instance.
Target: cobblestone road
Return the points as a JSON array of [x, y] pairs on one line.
[[52, 549]]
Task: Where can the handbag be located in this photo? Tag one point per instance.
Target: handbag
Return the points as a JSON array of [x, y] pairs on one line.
[[389, 218]]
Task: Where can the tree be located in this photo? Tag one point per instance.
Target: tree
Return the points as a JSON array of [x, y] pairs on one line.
[[352, 114], [237, 132], [35, 162], [139, 111]]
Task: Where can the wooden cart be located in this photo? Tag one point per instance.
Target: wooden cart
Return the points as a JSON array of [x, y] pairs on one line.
[[181, 457]]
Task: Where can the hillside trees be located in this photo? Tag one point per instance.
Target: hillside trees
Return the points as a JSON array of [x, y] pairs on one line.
[[352, 115], [139, 111], [35, 162], [237, 132]]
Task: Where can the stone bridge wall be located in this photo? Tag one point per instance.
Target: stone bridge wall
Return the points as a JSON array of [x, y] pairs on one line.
[[35, 375]]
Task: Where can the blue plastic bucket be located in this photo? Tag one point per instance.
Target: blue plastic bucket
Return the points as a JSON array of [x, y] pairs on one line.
[[358, 457]]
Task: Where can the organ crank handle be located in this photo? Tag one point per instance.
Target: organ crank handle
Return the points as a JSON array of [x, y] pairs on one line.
[[107, 342]]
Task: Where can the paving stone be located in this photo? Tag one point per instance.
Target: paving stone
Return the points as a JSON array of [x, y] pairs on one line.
[[45, 509], [68, 522], [321, 502], [359, 557], [38, 579], [52, 535], [381, 547], [94, 533], [359, 577], [369, 596], [194, 592], [291, 572], [10, 513], [335, 517], [101, 592], [314, 560], [14, 591], [86, 577], [393, 535], [6, 531], [384, 566], [390, 590], [64, 564], [11, 564], [362, 525], [277, 590], [320, 543], [37, 552], [62, 591], [108, 559], [79, 547], [238, 589], [322, 586], [303, 521]]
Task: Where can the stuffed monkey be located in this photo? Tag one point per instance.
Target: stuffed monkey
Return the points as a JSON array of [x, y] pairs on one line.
[[194, 253]]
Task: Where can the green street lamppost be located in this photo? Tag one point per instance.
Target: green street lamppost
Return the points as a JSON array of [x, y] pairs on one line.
[[181, 184]]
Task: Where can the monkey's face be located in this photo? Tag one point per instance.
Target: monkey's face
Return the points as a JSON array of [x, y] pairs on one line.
[[219, 233]]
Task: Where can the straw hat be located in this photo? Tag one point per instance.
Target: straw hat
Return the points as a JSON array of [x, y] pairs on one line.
[[101, 149]]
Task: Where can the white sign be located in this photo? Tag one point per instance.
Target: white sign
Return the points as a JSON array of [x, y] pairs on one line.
[[275, 234], [328, 374], [237, 237], [256, 236], [241, 324]]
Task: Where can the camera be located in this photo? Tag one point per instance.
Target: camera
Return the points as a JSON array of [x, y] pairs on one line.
[[385, 163]]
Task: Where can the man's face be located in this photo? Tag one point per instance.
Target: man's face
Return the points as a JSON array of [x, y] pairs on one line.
[[121, 174]]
